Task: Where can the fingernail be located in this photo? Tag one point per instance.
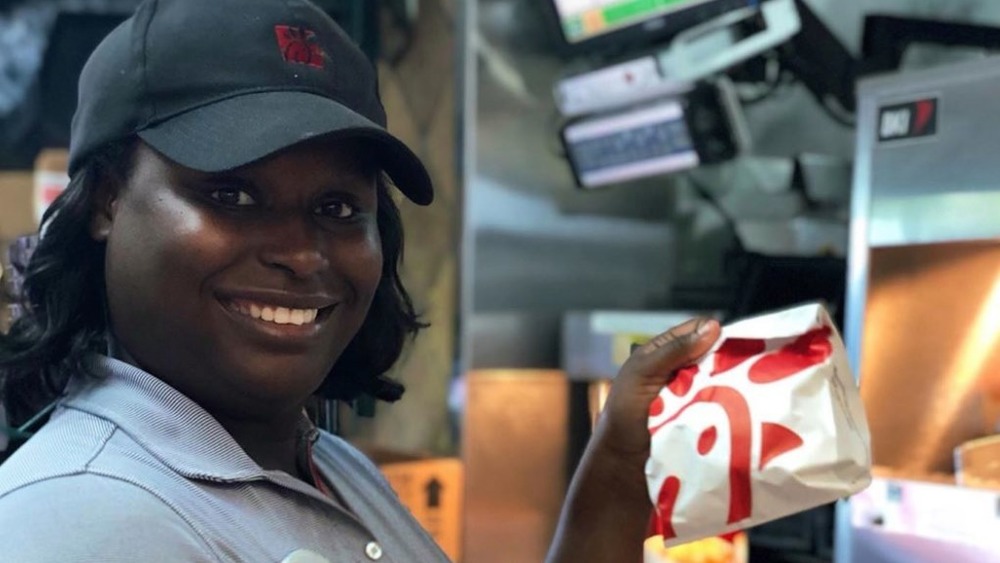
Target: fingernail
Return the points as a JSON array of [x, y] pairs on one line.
[[705, 327]]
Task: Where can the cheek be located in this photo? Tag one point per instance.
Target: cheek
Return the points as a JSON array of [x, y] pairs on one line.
[[370, 264], [358, 261], [158, 248]]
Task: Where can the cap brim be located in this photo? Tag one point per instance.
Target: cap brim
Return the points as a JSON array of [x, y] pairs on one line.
[[236, 131]]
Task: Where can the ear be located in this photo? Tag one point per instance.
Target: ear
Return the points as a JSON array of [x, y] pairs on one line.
[[104, 205]]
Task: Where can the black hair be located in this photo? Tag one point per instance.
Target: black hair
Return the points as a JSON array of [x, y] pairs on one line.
[[390, 322], [63, 313]]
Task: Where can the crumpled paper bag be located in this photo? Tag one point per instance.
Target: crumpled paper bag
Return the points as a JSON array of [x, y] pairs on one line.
[[767, 424]]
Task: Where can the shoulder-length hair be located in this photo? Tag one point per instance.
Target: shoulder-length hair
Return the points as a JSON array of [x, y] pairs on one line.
[[62, 299]]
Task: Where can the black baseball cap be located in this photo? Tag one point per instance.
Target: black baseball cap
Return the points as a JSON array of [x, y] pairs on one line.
[[216, 84]]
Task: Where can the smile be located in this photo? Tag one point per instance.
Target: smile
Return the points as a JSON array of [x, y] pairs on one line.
[[273, 313]]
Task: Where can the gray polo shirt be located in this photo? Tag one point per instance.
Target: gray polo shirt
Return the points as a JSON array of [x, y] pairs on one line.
[[129, 469]]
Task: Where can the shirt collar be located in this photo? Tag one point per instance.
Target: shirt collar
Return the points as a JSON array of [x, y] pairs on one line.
[[164, 421]]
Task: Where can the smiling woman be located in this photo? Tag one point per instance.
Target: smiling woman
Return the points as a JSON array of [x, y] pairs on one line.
[[275, 280], [228, 248], [194, 255], [155, 216]]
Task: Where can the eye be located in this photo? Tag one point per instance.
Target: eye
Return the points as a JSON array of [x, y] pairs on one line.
[[337, 210], [233, 197]]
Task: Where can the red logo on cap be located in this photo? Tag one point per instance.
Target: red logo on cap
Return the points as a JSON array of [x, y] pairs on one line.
[[299, 45]]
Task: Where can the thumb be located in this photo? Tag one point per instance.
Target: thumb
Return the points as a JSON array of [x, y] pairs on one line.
[[654, 363], [622, 425]]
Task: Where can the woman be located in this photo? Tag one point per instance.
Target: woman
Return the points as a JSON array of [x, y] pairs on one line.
[[228, 248]]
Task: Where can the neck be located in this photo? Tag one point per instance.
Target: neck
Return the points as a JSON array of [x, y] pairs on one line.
[[273, 443]]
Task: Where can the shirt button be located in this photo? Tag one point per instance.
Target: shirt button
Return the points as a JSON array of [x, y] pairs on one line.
[[373, 551]]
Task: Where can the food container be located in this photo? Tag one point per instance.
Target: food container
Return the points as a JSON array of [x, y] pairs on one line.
[[767, 424]]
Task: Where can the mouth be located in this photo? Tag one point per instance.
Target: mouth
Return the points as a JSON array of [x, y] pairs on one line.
[[279, 321], [276, 314]]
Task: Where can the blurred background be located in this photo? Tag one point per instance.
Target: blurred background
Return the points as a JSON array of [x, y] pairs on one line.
[[608, 168]]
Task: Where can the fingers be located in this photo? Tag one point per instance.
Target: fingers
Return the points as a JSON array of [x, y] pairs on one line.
[[622, 427], [677, 347]]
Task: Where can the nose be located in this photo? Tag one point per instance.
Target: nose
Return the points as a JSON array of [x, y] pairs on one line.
[[294, 245]]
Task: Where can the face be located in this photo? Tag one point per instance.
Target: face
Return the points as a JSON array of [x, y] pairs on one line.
[[241, 289]]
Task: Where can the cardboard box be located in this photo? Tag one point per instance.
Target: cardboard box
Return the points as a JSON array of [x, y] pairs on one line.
[[16, 219], [50, 179], [432, 489], [24, 196], [16, 196]]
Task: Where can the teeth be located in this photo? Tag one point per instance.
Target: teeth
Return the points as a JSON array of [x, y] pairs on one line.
[[282, 316], [278, 315]]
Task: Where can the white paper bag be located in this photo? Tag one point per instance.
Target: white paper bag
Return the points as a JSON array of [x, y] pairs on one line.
[[769, 423]]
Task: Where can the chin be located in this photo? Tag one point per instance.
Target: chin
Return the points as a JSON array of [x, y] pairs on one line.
[[276, 382]]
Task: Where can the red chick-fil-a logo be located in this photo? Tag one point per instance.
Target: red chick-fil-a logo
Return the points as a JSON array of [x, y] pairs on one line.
[[811, 349], [299, 45]]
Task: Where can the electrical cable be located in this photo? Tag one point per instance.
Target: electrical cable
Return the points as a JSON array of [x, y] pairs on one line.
[[775, 76], [770, 89], [557, 123], [838, 114], [786, 76], [800, 70]]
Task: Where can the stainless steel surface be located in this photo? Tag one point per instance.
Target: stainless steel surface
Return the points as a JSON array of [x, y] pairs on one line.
[[531, 258], [535, 245], [940, 188], [923, 298], [857, 283], [931, 343], [912, 521], [514, 339], [596, 343], [467, 102], [514, 447]]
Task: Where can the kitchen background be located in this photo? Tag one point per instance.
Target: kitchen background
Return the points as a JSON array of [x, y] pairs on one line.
[[511, 245]]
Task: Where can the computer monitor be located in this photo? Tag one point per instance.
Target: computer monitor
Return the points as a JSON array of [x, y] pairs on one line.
[[589, 25]]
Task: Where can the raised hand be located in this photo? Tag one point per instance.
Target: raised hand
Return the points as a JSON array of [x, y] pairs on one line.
[[607, 506]]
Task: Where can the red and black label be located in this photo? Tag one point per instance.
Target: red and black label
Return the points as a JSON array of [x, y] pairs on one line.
[[908, 121], [299, 45]]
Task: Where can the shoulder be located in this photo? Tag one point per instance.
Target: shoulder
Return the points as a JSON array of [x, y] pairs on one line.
[[52, 507], [64, 446], [350, 465], [86, 517], [333, 450]]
